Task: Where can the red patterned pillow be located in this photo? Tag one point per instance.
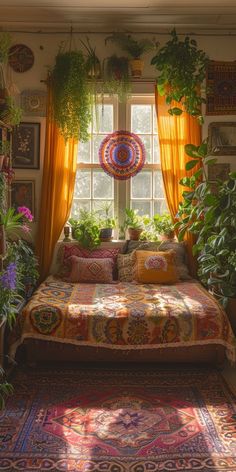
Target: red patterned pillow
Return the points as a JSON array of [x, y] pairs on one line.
[[91, 270], [75, 250]]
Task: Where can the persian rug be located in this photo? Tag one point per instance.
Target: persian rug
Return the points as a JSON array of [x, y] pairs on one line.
[[118, 420]]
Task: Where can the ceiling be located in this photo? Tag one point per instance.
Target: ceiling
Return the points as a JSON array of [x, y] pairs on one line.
[[103, 15]]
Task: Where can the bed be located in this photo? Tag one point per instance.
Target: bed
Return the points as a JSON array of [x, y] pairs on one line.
[[124, 322]]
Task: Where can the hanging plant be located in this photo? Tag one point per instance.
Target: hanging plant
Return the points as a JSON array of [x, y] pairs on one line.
[[71, 96], [182, 70], [116, 77]]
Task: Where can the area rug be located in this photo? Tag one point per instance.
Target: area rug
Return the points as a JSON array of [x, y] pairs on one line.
[[118, 420]]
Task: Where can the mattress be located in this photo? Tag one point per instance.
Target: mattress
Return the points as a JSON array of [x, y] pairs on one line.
[[124, 316]]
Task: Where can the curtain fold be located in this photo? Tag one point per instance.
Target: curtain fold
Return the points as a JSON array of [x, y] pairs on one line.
[[174, 132], [56, 190]]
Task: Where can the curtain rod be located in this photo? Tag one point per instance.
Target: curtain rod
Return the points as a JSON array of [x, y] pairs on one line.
[[110, 32]]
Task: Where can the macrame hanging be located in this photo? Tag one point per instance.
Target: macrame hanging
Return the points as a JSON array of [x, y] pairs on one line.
[[122, 154]]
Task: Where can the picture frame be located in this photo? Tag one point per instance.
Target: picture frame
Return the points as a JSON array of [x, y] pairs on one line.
[[23, 194], [26, 146], [221, 88], [222, 138]]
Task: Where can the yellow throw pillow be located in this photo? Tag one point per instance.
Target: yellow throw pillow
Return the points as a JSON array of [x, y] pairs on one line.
[[155, 267]]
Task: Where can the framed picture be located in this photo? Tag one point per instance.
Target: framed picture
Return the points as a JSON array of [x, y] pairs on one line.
[[33, 102], [222, 138], [26, 146], [23, 194], [221, 88]]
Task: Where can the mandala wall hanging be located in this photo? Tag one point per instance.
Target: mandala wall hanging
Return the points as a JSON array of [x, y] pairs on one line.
[[122, 154]]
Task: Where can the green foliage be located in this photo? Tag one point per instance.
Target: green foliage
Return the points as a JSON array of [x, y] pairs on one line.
[[182, 71], [86, 229], [208, 210], [6, 389], [93, 64], [105, 219], [116, 77], [71, 97], [5, 43], [162, 224], [12, 114], [132, 219], [12, 222], [22, 253], [132, 46]]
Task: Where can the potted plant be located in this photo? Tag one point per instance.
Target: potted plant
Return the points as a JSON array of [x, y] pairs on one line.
[[71, 95], [93, 64], [106, 222], [181, 68], [12, 114], [208, 210], [135, 48], [116, 77], [6, 389], [22, 253], [133, 223], [86, 229], [163, 226]]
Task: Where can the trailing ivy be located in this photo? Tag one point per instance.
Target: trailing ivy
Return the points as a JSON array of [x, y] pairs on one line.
[[71, 95], [182, 70]]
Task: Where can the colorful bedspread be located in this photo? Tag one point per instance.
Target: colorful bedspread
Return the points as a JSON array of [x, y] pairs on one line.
[[124, 316]]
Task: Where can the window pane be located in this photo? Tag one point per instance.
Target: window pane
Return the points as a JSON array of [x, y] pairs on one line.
[[147, 144], [77, 206], [158, 185], [96, 144], [141, 119], [144, 208], [82, 184], [141, 186], [99, 205], [83, 152], [103, 119], [102, 185], [156, 150], [160, 207], [154, 120]]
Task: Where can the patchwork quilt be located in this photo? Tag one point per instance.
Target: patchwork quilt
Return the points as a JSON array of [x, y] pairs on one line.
[[124, 316]]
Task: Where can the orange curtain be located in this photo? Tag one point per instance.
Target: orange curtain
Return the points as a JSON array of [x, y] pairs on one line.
[[56, 190], [174, 133]]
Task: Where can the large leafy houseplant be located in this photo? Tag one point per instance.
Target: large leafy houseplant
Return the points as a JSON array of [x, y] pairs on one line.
[[208, 210], [71, 95], [135, 48], [181, 66], [86, 230]]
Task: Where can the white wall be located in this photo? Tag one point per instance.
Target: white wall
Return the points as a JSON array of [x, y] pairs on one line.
[[45, 48]]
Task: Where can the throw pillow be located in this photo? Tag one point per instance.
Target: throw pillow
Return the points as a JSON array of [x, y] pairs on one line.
[[125, 264], [155, 267], [131, 245], [180, 255], [91, 270], [100, 253]]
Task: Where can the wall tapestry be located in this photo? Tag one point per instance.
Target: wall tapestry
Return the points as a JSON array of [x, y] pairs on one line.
[[221, 88], [33, 102], [122, 154]]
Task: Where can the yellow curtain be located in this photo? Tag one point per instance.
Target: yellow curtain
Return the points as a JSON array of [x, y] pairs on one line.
[[174, 133], [56, 189]]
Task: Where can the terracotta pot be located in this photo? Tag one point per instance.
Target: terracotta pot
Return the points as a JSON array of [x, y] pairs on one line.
[[167, 237], [136, 66], [134, 234], [3, 246], [231, 312]]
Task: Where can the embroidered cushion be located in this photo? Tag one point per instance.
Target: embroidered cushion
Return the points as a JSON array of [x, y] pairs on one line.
[[125, 264], [180, 255], [155, 267], [130, 246], [91, 270], [100, 253]]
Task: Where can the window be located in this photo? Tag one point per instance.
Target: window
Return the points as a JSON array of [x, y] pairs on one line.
[[94, 187]]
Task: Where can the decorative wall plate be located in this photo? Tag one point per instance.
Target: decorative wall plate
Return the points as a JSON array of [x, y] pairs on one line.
[[21, 58], [122, 154], [33, 102]]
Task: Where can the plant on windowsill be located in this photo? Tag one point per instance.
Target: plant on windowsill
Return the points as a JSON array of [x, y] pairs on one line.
[[135, 48], [163, 226], [116, 77], [208, 210], [106, 222], [71, 95], [86, 230], [133, 223], [182, 69]]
